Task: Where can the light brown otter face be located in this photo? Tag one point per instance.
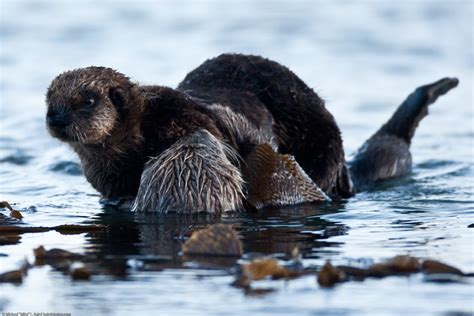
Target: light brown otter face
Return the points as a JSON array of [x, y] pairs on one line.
[[86, 105]]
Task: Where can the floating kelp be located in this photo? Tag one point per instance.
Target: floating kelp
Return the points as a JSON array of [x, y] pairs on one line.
[[78, 229], [394, 266], [329, 275], [15, 276], [5, 204], [436, 267], [41, 254], [9, 240], [13, 213], [80, 273], [263, 268], [214, 240], [257, 292], [7, 229], [267, 267], [63, 229], [78, 266], [16, 214], [63, 261], [67, 229], [222, 240]]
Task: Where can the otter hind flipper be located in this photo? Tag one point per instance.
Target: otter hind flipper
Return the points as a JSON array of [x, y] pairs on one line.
[[387, 153], [405, 120], [274, 179], [194, 175]]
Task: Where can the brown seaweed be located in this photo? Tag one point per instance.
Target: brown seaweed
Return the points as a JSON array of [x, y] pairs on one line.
[[398, 265], [13, 213], [62, 229], [214, 240], [81, 273], [70, 229], [9, 240], [330, 275], [15, 276], [262, 268], [16, 214], [54, 254], [436, 267], [5, 204]]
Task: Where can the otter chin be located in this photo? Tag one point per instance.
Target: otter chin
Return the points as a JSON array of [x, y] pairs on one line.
[[238, 132]]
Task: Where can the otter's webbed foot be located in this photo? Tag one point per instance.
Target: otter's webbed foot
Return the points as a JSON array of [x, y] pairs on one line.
[[405, 120], [273, 179], [193, 175], [439, 88], [387, 153]]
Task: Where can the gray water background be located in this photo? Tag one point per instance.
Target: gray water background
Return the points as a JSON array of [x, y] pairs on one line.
[[362, 57]]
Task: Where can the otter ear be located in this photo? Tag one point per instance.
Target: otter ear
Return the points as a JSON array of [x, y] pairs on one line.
[[117, 97]]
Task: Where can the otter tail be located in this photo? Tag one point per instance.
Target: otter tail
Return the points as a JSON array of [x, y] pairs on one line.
[[386, 154]]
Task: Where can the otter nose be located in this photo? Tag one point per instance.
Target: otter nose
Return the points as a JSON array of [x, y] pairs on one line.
[[57, 120]]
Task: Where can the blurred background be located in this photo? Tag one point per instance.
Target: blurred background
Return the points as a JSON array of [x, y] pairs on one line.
[[363, 57], [366, 54]]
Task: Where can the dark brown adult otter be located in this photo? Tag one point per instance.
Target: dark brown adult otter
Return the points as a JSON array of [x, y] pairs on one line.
[[226, 135]]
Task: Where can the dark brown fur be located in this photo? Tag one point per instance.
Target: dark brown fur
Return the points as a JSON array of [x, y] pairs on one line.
[[303, 126], [145, 122], [387, 153], [124, 132], [267, 103]]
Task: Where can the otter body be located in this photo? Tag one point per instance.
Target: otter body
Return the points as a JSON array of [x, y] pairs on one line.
[[302, 125], [185, 149]]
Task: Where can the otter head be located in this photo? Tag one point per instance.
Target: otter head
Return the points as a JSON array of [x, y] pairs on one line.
[[86, 105]]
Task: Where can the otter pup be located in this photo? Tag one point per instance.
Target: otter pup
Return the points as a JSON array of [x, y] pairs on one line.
[[238, 129]]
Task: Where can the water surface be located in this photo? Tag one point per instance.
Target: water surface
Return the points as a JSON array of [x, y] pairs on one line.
[[362, 57]]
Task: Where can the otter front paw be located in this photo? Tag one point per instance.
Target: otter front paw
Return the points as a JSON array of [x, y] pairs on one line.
[[193, 175]]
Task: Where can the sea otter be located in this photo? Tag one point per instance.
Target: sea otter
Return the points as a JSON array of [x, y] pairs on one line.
[[238, 131]]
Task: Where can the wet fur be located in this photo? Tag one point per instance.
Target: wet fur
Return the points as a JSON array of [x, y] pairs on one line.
[[146, 140], [276, 179], [194, 175], [387, 154], [134, 124], [107, 136], [303, 126]]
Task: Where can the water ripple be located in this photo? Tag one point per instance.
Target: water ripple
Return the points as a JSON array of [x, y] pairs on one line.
[[67, 167], [18, 158]]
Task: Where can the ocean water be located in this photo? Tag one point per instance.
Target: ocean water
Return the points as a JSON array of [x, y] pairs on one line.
[[362, 57]]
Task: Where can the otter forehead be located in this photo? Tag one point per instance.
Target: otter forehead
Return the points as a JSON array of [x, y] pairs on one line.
[[97, 79], [84, 104]]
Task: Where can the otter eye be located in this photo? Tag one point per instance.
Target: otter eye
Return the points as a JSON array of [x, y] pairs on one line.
[[90, 102]]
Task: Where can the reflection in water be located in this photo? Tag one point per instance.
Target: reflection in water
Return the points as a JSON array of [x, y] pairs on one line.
[[279, 231], [363, 57], [156, 239]]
